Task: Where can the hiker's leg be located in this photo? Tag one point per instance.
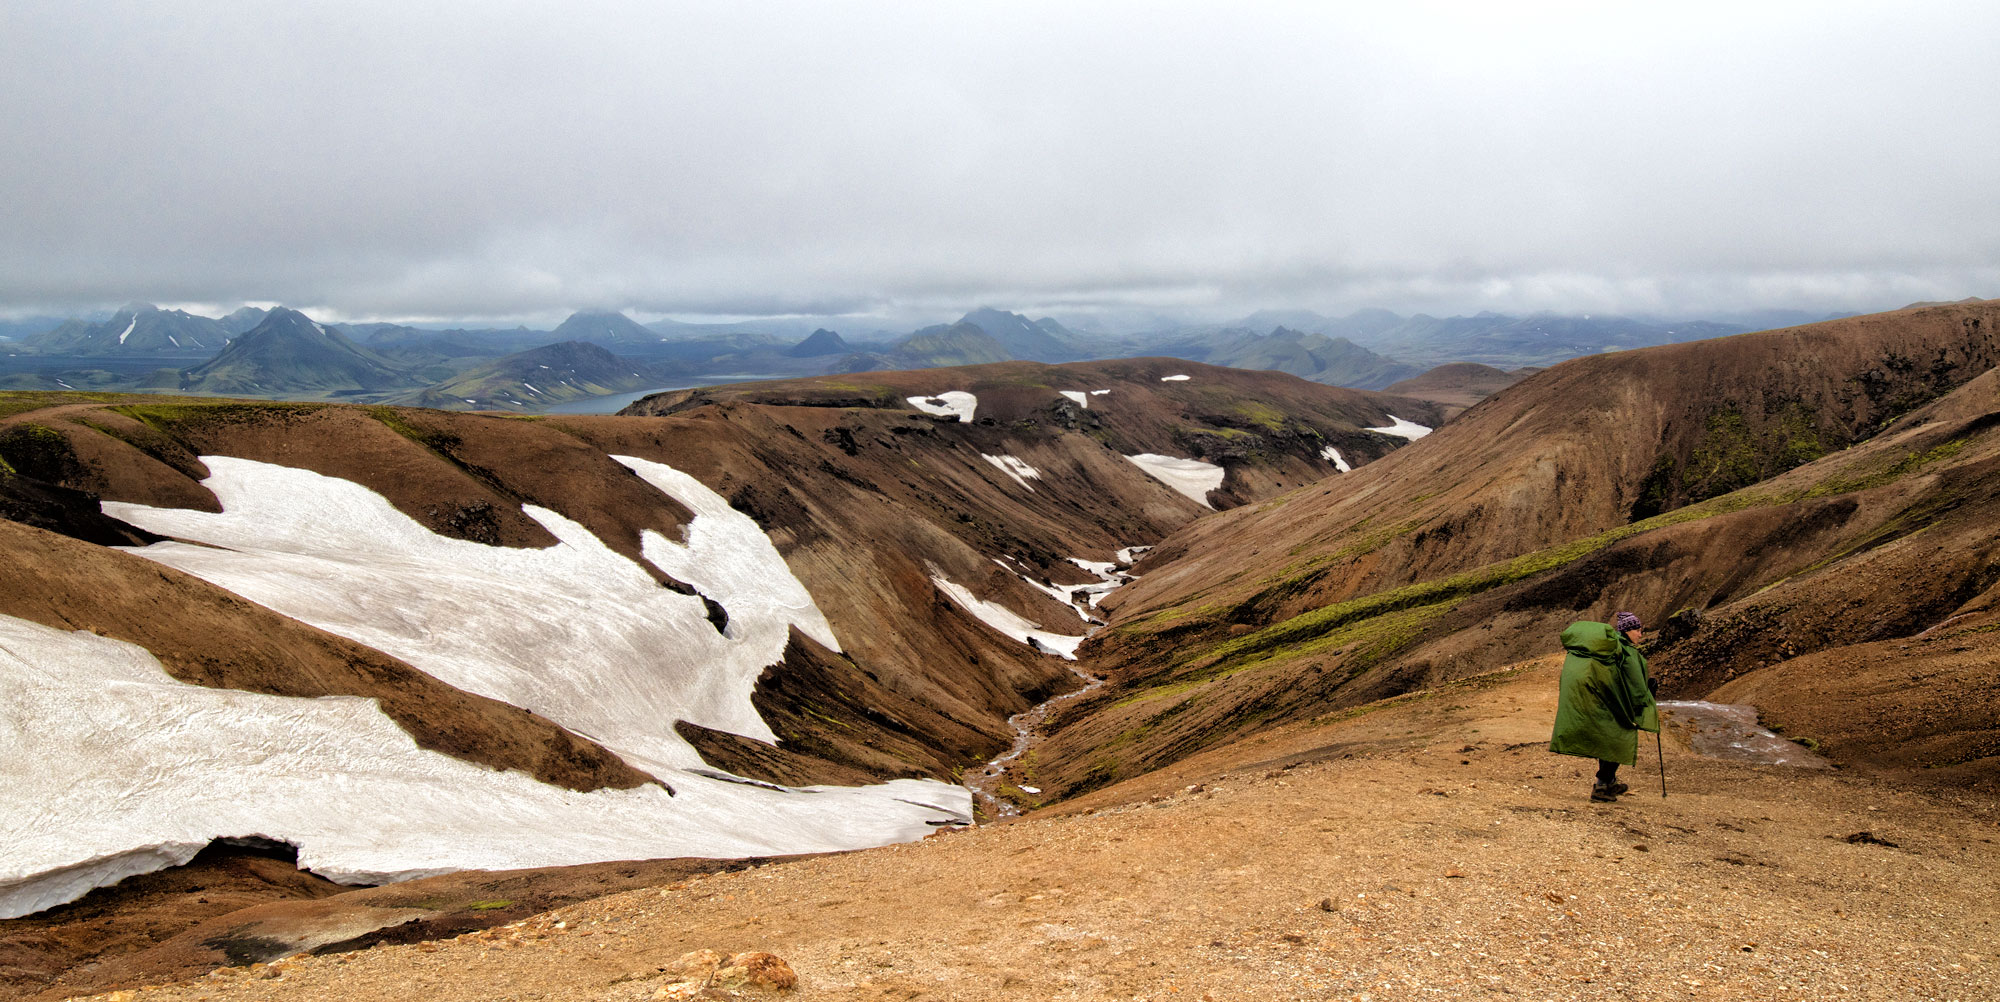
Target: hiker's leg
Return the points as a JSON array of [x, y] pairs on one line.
[[1607, 772]]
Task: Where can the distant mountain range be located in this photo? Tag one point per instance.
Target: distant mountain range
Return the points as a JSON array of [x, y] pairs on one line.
[[288, 353], [141, 346], [538, 378], [136, 329], [1335, 361]]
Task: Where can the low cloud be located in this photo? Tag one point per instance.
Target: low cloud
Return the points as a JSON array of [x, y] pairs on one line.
[[518, 159]]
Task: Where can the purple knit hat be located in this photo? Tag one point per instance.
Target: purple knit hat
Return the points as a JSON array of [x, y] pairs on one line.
[[1627, 621]]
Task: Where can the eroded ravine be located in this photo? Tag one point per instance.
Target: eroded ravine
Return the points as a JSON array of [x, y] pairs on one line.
[[988, 780]]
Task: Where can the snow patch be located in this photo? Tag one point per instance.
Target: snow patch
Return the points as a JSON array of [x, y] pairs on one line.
[[1403, 429], [1099, 393], [1077, 395], [1191, 477], [1110, 578], [1007, 621], [129, 328], [1332, 455], [1178, 378], [1015, 468], [151, 769], [1066, 594], [947, 403]]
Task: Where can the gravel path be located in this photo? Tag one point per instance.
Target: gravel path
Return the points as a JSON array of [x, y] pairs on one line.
[[1430, 848]]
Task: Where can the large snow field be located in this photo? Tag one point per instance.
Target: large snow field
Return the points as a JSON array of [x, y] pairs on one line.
[[1006, 620], [1403, 429], [949, 402], [575, 632], [1191, 477], [110, 767]]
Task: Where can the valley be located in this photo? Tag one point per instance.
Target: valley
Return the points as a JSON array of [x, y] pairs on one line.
[[793, 616]]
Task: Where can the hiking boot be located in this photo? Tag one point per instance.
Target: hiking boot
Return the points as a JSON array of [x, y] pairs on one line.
[[1618, 789], [1603, 794]]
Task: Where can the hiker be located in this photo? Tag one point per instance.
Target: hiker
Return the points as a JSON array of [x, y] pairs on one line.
[[1606, 699]]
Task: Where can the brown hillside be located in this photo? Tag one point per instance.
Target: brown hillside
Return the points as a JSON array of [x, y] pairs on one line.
[[1349, 592], [1455, 386], [1266, 428]]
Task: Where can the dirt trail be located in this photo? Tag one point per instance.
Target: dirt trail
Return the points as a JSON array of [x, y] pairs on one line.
[[1426, 847]]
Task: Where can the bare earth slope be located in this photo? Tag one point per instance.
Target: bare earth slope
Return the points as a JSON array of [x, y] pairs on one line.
[[1458, 385], [1426, 848]]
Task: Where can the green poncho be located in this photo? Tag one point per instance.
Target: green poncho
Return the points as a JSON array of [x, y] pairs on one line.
[[1604, 702]]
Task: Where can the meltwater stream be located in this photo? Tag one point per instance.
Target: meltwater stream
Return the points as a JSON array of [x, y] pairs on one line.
[[987, 779], [1731, 731]]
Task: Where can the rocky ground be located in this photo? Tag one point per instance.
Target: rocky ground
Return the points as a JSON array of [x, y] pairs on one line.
[[1424, 847]]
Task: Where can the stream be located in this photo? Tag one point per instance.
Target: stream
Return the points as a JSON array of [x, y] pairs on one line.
[[1731, 731], [985, 782]]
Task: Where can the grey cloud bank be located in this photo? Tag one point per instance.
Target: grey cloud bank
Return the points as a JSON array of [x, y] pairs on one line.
[[505, 159]]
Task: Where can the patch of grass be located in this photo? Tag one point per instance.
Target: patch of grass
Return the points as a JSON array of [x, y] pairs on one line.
[[14, 402], [488, 906], [165, 416], [37, 451], [1232, 433], [1373, 639], [1308, 628], [1261, 414], [1854, 478]]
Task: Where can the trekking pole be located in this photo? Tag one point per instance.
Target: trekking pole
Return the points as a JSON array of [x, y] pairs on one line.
[[1660, 751]]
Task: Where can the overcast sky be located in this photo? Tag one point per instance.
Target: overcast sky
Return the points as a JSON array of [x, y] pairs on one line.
[[500, 159]]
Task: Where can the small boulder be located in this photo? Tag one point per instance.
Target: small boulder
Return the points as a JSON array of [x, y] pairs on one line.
[[758, 970], [708, 974]]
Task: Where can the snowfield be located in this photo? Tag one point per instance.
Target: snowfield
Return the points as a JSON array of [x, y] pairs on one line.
[[154, 768], [1014, 467], [150, 769], [1191, 477], [1007, 621], [1403, 429], [1175, 378], [1332, 455], [947, 403], [552, 630], [1081, 397]]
